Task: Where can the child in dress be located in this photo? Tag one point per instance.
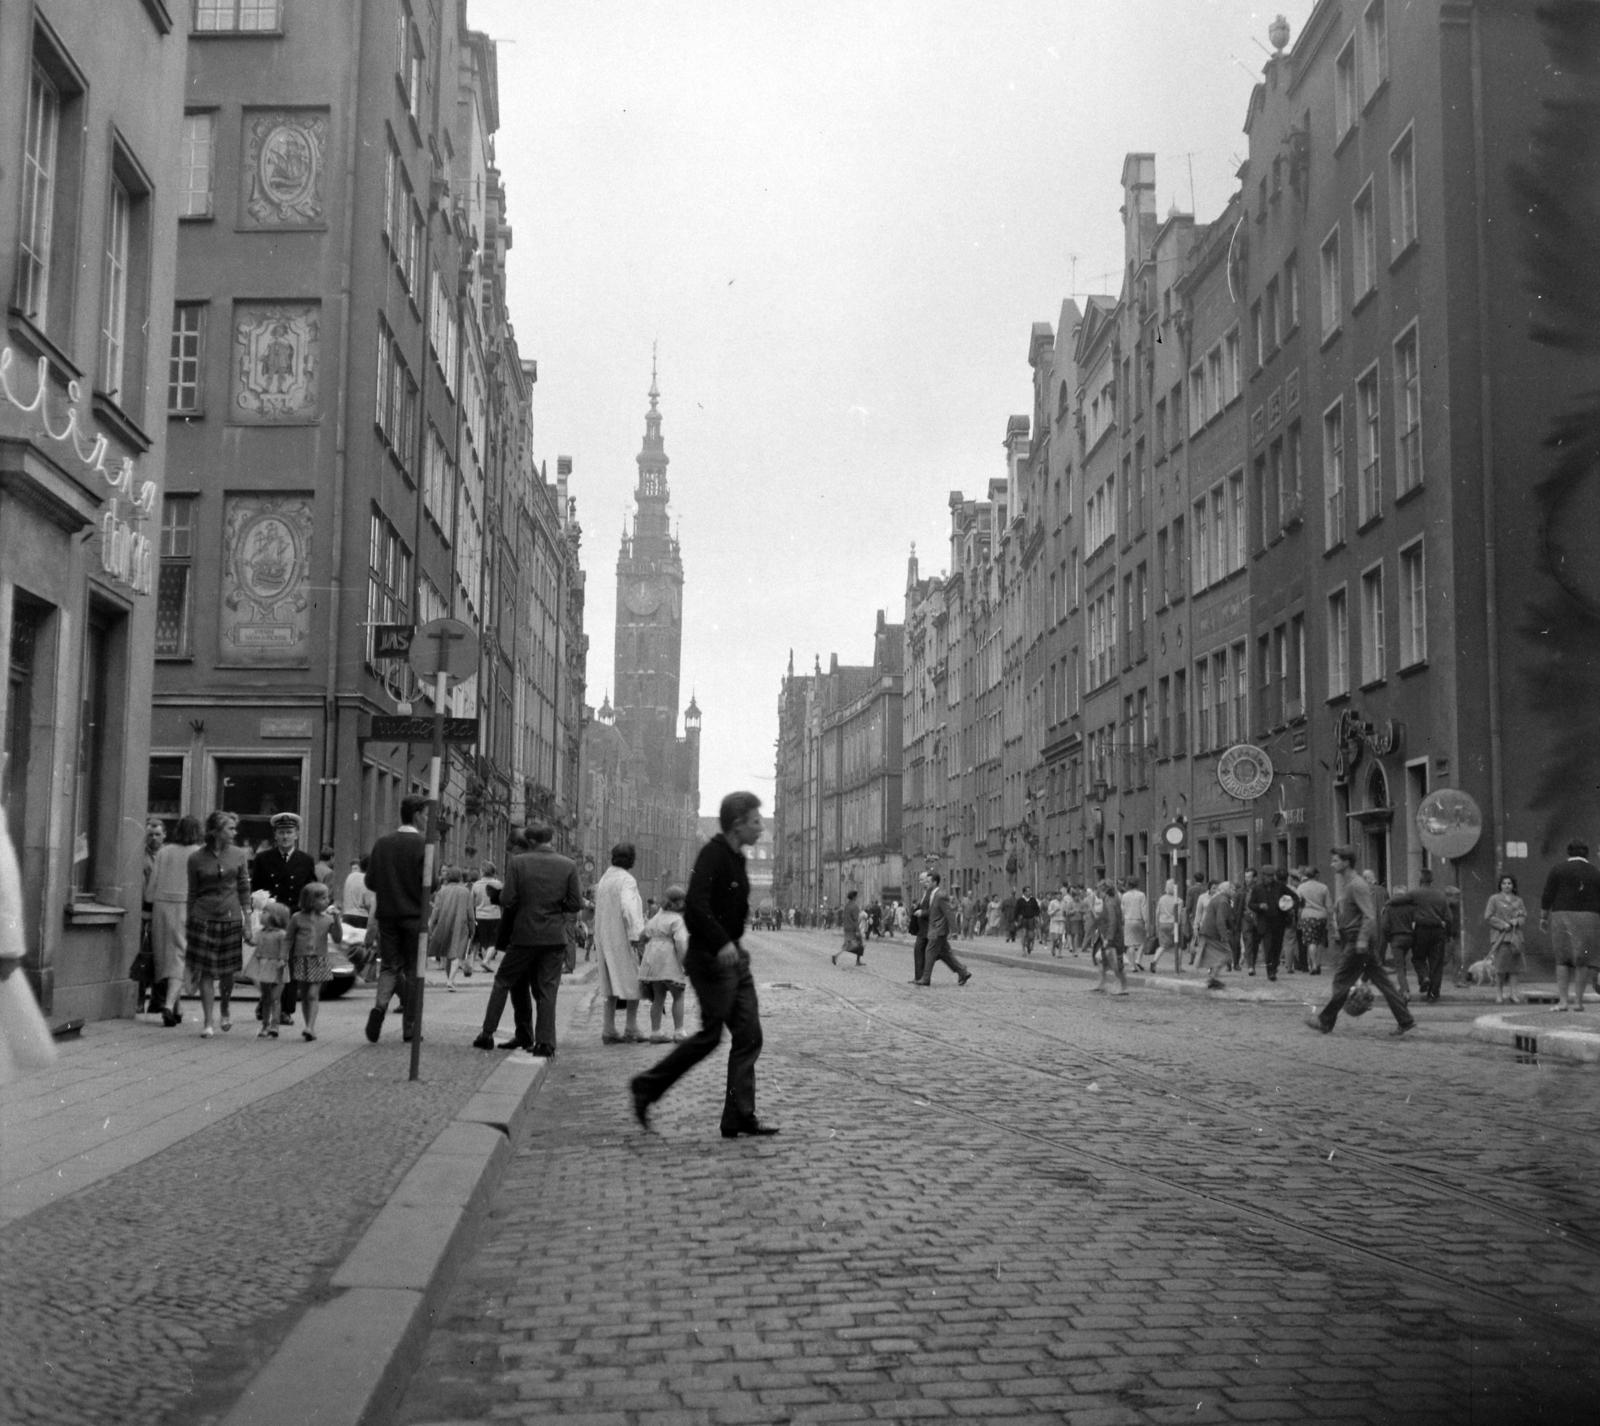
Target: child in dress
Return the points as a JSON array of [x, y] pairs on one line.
[[661, 965], [271, 965], [308, 949]]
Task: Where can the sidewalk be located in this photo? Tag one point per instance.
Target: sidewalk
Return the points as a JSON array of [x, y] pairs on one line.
[[171, 1206]]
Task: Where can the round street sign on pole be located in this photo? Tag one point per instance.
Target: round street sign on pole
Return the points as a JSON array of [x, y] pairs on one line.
[[1449, 822], [444, 646]]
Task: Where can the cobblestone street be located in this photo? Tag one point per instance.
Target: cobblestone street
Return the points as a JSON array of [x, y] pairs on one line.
[[1021, 1201]]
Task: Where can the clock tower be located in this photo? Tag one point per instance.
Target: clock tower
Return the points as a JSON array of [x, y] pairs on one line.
[[649, 637]]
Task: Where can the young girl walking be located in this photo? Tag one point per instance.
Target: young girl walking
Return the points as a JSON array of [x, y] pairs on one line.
[[661, 967], [271, 965], [308, 949]]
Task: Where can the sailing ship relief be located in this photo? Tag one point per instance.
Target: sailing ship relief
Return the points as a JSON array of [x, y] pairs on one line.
[[266, 580]]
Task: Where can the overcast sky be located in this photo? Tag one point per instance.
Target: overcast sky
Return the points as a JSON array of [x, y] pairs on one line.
[[839, 220]]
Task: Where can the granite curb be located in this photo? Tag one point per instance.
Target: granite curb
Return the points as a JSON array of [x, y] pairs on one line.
[[1535, 1034], [347, 1360]]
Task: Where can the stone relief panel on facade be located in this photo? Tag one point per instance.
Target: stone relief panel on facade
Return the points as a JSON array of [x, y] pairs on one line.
[[276, 346], [266, 580], [284, 167]]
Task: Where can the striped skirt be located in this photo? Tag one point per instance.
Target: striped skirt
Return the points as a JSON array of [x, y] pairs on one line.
[[215, 948]]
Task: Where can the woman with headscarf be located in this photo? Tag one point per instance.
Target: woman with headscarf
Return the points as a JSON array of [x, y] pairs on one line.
[[219, 890], [1169, 920], [618, 927], [169, 914]]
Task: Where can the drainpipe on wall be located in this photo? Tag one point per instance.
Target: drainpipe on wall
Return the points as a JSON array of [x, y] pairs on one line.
[[330, 701], [1491, 601]]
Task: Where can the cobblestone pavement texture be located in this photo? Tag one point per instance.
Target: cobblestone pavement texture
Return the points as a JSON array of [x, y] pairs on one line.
[[153, 1294], [1022, 1201]]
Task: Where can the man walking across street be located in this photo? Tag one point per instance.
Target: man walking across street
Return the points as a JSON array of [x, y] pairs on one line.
[[1110, 928], [540, 891], [1569, 910], [394, 877], [1355, 923], [1028, 918], [919, 927], [940, 922], [283, 871], [718, 967]]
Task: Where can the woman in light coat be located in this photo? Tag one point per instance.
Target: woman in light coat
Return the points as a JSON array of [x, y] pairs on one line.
[[452, 924], [618, 929], [169, 913]]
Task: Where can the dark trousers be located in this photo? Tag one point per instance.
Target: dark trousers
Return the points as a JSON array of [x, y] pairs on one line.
[[939, 950], [727, 996], [1270, 944], [1353, 962], [397, 963], [919, 957], [1427, 954], [531, 977], [1246, 951]]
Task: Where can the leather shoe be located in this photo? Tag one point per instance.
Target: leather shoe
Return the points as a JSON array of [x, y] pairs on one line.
[[755, 1129], [1400, 1030], [515, 1045], [964, 977], [641, 1107], [483, 1042], [374, 1024], [1316, 1024], [543, 1052]]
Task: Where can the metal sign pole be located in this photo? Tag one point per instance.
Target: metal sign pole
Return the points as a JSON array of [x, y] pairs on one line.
[[429, 861]]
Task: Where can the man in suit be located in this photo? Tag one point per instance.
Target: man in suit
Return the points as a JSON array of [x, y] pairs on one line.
[[919, 927], [394, 877], [718, 967], [940, 921], [540, 891], [283, 871]]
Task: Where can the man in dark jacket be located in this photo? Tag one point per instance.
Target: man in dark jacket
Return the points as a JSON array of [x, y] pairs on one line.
[[1569, 909], [919, 926], [394, 877], [718, 967], [941, 921], [1275, 908], [541, 890], [1430, 928], [283, 871]]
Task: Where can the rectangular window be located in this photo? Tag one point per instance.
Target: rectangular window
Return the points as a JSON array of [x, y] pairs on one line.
[[1202, 706], [184, 362], [1232, 368], [95, 745], [1219, 533], [1333, 475], [1364, 227], [1164, 716], [114, 291], [1180, 559], [40, 157], [1142, 591], [1345, 103], [1237, 520], [388, 578], [1402, 194], [380, 414], [1291, 292], [1162, 573], [194, 165], [1266, 707], [1270, 317], [1291, 488], [1374, 664], [242, 15], [1201, 563], [1332, 300], [1197, 398], [1222, 698], [1374, 49], [1161, 428], [1241, 692], [1413, 606], [1338, 644], [1294, 694], [1407, 413], [1259, 329], [1180, 713], [173, 589], [1215, 396], [1263, 489], [1369, 452]]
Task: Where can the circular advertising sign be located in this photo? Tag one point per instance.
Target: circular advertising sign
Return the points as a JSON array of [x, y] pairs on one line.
[[1245, 772], [1450, 823]]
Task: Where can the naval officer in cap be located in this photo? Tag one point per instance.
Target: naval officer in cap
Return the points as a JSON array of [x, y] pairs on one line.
[[282, 871]]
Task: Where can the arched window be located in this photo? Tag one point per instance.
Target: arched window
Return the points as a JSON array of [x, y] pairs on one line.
[[1377, 787]]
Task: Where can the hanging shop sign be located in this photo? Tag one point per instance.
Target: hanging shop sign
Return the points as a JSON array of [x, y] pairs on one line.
[[1353, 735], [127, 554], [1245, 772]]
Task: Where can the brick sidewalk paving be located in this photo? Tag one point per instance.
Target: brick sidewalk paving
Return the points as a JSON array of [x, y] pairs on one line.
[[1022, 1203], [168, 1205]]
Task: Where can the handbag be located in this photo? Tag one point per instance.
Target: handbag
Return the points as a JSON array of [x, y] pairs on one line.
[[1360, 999]]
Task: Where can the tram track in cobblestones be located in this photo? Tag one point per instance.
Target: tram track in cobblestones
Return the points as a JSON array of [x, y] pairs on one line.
[[1282, 1226], [1567, 1234]]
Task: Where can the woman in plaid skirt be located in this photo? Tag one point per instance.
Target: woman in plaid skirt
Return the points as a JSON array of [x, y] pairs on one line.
[[219, 889]]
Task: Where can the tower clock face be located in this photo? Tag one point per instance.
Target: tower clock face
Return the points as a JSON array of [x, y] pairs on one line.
[[643, 596]]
